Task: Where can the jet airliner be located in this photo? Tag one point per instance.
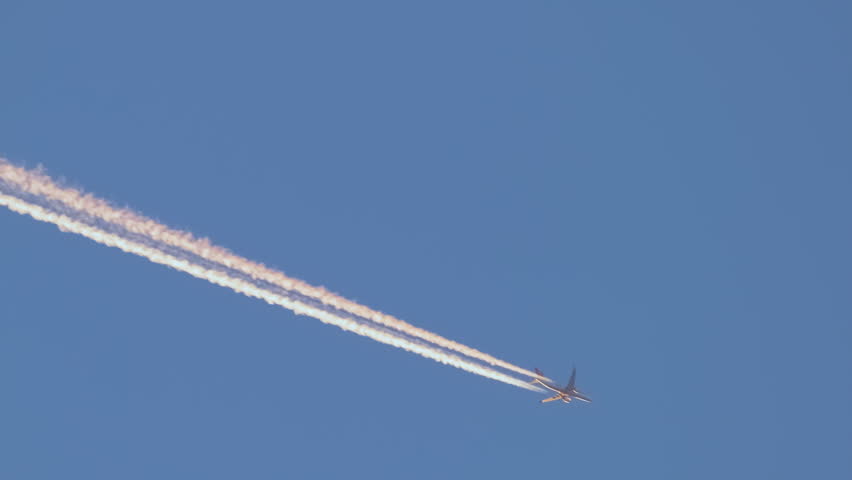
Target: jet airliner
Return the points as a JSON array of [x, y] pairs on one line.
[[564, 394]]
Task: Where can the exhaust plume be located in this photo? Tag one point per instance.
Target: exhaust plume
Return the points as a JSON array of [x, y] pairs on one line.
[[38, 184], [72, 221]]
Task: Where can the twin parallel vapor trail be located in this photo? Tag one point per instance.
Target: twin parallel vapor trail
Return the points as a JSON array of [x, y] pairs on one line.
[[32, 193]]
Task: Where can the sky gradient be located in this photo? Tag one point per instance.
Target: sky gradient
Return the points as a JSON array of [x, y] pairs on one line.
[[658, 194]]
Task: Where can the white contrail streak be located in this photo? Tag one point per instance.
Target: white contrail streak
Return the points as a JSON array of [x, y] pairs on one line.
[[69, 224], [38, 184]]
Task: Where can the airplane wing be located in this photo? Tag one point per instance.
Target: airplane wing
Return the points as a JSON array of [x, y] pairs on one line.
[[571, 382], [555, 397]]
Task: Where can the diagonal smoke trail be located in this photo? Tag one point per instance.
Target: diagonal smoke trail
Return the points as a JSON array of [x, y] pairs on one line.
[[67, 223], [38, 184]]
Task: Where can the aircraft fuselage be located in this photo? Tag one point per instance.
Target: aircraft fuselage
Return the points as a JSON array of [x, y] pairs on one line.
[[565, 394]]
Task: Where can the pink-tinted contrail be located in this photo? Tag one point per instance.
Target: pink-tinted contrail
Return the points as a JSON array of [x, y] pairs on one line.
[[67, 222], [39, 184]]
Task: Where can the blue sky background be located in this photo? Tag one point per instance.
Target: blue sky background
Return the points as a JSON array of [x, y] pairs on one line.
[[656, 192]]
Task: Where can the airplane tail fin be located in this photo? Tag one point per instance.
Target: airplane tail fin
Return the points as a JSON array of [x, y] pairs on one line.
[[538, 377], [537, 372]]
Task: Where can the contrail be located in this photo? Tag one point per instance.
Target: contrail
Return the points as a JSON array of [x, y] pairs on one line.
[[38, 184], [69, 224]]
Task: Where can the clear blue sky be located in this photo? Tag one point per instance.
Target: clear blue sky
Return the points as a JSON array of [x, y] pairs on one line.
[[656, 192]]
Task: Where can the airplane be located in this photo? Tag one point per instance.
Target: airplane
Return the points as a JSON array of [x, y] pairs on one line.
[[564, 394]]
